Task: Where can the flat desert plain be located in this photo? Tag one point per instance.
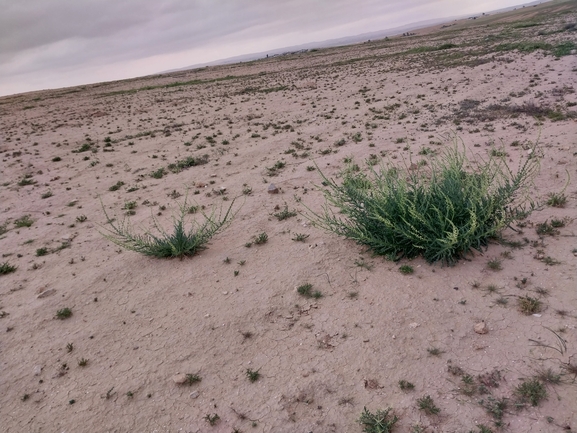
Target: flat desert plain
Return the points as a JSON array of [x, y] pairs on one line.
[[98, 338]]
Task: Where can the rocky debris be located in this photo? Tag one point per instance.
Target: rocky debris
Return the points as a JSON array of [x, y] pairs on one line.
[[272, 189], [44, 292], [481, 328], [179, 379]]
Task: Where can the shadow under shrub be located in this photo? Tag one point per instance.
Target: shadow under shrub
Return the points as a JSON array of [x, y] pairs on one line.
[[440, 211], [180, 243]]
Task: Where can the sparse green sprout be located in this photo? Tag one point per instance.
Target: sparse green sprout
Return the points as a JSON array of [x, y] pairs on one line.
[[285, 214], [42, 251], [252, 375], [82, 362], [557, 200], [379, 422], [180, 243], [6, 268], [549, 376], [546, 229], [306, 291], [81, 218], [64, 313], [116, 186], [427, 405], [69, 347], [494, 264], [158, 174], [300, 237], [47, 194], [495, 407], [25, 397], [434, 351], [26, 180]]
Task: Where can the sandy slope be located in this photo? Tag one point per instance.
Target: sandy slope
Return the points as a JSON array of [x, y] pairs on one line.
[[139, 321]]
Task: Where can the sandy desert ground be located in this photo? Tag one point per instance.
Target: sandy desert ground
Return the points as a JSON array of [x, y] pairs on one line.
[[140, 325]]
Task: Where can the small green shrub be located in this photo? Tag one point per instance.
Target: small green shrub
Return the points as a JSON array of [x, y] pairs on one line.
[[406, 385], [261, 238], [441, 212], [557, 200], [406, 269], [252, 375], [6, 268], [285, 214], [24, 221], [379, 422], [64, 313], [158, 174], [306, 290], [427, 405], [528, 305], [531, 391], [180, 243], [116, 186]]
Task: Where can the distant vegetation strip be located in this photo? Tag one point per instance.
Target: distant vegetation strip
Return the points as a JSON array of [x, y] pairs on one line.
[[175, 84]]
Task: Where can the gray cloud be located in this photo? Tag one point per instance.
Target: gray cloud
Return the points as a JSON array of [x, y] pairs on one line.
[[67, 41]]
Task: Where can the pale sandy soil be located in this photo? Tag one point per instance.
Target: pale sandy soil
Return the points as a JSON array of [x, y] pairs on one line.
[[139, 321]]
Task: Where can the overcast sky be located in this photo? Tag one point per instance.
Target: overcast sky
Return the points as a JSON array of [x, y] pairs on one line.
[[58, 43]]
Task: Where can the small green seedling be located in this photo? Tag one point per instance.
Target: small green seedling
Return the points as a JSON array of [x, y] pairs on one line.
[[64, 313], [261, 238], [300, 237], [252, 375], [406, 385], [427, 405], [406, 269], [212, 419], [379, 422], [528, 305], [531, 391], [6, 268], [191, 379]]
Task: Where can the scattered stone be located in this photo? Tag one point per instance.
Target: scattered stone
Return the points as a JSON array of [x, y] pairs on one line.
[[194, 394], [413, 325], [371, 384], [179, 379], [272, 189], [44, 292], [37, 370], [481, 328]]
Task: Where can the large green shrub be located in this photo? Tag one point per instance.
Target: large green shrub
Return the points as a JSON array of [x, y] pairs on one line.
[[441, 211]]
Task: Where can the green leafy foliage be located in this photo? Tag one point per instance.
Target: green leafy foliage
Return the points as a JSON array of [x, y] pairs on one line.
[[180, 243], [379, 422], [441, 211]]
